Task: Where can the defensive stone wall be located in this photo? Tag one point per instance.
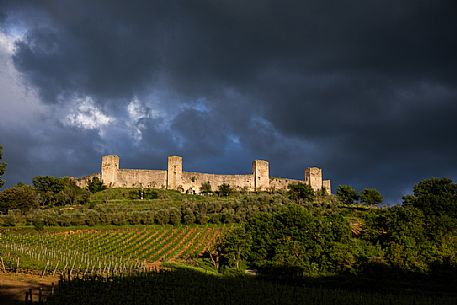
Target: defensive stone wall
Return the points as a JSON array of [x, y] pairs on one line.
[[83, 181], [141, 178], [192, 182], [177, 179], [282, 183]]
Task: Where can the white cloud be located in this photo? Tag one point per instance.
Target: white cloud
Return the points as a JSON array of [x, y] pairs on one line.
[[137, 112], [86, 115], [19, 104]]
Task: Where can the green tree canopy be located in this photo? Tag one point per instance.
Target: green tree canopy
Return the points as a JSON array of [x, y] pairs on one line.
[[2, 168], [346, 194], [59, 191], [437, 199], [371, 196], [434, 196], [301, 191], [48, 184], [95, 185], [290, 237], [21, 196]]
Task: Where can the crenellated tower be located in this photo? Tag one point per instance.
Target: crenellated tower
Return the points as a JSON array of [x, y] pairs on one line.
[[313, 178], [261, 172], [174, 174], [110, 167]]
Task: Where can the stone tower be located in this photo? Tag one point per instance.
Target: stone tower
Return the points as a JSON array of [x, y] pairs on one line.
[[261, 172], [326, 186], [110, 166], [313, 178], [174, 174]]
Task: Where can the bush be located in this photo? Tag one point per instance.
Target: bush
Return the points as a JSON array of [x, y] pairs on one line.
[[188, 216], [205, 188], [202, 219], [150, 194], [162, 217], [38, 224], [224, 190], [175, 216], [9, 220]]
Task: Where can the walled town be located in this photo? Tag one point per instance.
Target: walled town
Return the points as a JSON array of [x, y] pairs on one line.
[[190, 182]]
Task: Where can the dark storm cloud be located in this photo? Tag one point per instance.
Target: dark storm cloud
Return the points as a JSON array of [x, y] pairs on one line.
[[366, 90]]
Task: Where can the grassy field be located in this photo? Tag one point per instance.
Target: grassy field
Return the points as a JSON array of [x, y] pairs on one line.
[[185, 286]]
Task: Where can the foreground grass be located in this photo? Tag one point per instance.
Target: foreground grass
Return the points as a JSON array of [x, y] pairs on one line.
[[186, 286]]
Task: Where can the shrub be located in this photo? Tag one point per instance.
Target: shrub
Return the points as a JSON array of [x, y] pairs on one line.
[[175, 216], [38, 224], [188, 216], [202, 219], [150, 194], [162, 217], [9, 220], [205, 188], [224, 190]]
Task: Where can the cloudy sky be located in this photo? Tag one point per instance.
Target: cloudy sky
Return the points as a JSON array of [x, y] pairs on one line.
[[367, 90]]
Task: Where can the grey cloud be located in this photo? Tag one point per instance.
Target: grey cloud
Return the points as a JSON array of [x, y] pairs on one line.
[[365, 90]]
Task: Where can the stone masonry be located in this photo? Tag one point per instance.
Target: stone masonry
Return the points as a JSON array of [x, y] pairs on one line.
[[176, 179]]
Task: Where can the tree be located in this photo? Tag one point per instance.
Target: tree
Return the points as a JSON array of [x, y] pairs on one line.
[[434, 196], [370, 196], [346, 194], [23, 197], [48, 184], [224, 190], [205, 188], [300, 191], [2, 168], [291, 238], [437, 199], [59, 191], [95, 185], [235, 247]]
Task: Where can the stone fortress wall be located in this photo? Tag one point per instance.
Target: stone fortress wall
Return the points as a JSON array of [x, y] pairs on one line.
[[175, 178]]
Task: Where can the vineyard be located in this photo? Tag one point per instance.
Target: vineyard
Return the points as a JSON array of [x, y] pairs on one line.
[[103, 251]]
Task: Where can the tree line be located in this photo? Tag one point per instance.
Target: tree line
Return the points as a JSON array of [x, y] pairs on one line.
[[418, 237]]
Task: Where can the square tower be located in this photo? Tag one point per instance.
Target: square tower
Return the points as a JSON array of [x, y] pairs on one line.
[[174, 174], [261, 172], [110, 167], [326, 186], [313, 178]]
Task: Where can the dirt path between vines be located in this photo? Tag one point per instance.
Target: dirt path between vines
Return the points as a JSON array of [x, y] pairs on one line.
[[14, 286]]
